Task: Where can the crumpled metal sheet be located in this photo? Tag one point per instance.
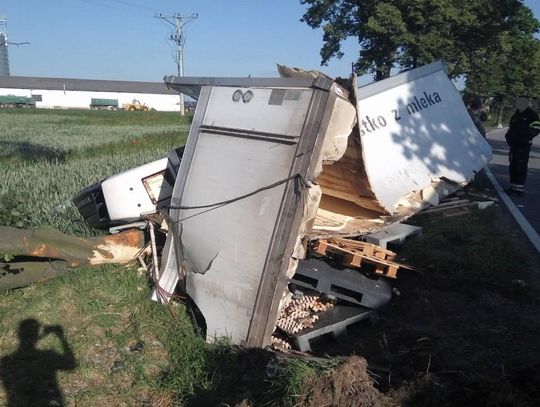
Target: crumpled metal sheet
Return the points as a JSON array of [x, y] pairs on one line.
[[414, 144]]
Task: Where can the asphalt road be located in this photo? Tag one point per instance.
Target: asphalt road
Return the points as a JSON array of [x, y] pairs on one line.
[[529, 203]]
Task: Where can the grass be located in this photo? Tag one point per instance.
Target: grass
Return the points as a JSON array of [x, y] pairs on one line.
[[470, 249], [103, 311], [290, 381], [128, 349], [106, 311]]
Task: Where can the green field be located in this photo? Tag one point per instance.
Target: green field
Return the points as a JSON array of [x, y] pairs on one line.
[[48, 156]]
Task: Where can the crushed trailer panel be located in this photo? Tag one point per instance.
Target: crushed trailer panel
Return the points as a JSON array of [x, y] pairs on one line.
[[248, 134]]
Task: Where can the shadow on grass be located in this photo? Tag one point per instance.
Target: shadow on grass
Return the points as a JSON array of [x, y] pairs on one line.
[[25, 151], [29, 374], [231, 376]]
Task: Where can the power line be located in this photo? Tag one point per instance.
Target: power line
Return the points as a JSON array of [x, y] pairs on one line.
[[128, 3], [139, 13]]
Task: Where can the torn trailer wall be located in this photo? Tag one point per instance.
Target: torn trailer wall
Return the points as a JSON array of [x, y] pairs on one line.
[[235, 259], [276, 143], [416, 118], [414, 143], [273, 137], [247, 134]]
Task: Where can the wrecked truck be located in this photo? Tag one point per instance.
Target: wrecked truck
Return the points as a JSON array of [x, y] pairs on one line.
[[274, 167], [271, 164]]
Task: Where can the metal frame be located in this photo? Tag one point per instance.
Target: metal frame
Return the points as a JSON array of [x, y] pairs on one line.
[[172, 252], [84, 85], [400, 79], [286, 230], [192, 86]]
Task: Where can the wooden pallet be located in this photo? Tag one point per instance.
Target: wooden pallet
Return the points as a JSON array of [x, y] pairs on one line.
[[354, 253]]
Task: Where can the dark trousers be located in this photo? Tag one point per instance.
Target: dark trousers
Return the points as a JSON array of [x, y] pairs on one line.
[[519, 160]]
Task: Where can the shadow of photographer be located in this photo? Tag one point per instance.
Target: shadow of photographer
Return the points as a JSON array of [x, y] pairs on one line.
[[29, 374]]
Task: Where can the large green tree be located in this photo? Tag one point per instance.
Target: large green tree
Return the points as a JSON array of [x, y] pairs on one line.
[[409, 33], [513, 68]]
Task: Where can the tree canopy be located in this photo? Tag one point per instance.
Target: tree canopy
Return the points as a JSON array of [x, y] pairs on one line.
[[512, 69], [409, 33]]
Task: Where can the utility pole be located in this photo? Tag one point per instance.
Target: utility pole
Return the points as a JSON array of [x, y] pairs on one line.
[[4, 59], [177, 37]]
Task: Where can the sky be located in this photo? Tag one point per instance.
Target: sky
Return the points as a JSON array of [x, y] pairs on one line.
[[122, 39]]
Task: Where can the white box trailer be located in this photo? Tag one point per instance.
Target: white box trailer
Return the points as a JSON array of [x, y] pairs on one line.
[[413, 144], [273, 162]]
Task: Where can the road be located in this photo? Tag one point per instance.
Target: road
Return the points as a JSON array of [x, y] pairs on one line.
[[528, 204]]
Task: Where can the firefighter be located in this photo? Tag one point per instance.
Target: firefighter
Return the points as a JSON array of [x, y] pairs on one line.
[[524, 126]]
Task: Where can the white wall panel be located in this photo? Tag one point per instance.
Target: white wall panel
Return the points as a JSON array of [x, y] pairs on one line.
[[415, 133], [81, 100]]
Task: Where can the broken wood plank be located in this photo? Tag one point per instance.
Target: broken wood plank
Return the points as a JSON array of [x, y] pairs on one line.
[[453, 211], [458, 202], [367, 249]]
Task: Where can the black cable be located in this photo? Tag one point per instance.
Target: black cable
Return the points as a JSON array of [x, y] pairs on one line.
[[298, 177], [139, 13], [300, 184], [132, 4]]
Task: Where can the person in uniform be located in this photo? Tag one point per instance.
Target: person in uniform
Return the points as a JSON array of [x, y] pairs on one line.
[[524, 126]]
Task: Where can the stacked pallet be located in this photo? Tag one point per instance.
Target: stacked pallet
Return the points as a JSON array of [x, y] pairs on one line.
[[353, 253], [299, 322]]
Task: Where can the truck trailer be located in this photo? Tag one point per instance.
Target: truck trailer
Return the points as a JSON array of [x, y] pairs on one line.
[[17, 101], [103, 104]]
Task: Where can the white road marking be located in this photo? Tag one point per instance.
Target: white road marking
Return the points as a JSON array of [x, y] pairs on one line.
[[520, 219]]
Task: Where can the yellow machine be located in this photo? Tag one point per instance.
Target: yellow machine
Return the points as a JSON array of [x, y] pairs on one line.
[[135, 105]]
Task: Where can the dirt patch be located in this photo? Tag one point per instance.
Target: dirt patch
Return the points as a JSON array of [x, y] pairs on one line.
[[348, 385]]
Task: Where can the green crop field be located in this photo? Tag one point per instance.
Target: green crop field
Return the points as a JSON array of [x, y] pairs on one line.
[[48, 156]]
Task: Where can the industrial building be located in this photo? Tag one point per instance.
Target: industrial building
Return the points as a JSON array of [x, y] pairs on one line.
[[63, 93]]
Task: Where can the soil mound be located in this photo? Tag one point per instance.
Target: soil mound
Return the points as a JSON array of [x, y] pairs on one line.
[[347, 385]]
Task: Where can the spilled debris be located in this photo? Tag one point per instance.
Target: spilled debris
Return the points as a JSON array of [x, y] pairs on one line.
[[277, 167], [274, 219]]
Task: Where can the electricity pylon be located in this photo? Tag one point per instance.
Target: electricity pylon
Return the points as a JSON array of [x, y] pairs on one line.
[[178, 38]]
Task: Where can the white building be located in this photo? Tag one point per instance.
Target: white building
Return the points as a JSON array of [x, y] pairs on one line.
[[78, 93]]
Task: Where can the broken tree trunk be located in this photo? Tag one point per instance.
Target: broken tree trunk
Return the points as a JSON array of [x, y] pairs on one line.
[[37, 254]]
